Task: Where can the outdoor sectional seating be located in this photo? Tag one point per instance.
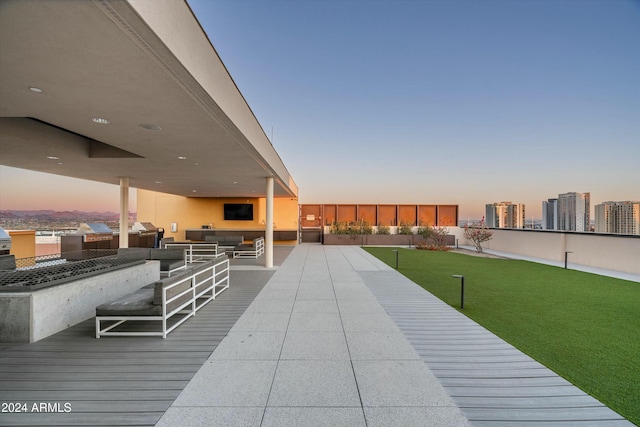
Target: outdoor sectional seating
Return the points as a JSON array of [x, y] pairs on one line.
[[171, 260], [225, 243], [254, 250], [182, 294], [196, 251]]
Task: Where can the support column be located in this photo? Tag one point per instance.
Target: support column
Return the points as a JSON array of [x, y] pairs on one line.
[[268, 235], [124, 212]]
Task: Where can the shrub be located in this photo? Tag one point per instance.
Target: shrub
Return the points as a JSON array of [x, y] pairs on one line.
[[405, 228], [436, 237], [383, 229], [439, 237], [363, 227], [339, 227], [432, 247], [351, 228]]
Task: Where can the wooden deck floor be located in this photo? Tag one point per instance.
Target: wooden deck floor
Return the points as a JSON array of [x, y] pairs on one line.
[[116, 381], [493, 383]]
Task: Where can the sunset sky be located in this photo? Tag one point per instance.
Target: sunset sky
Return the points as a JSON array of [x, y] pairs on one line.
[[457, 101]]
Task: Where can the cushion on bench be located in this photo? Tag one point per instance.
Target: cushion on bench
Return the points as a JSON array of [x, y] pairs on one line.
[[170, 264], [138, 303], [139, 253], [160, 254]]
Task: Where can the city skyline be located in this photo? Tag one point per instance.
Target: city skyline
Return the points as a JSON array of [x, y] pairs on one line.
[[423, 102]]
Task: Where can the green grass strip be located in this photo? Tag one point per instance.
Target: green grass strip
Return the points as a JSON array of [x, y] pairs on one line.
[[583, 326]]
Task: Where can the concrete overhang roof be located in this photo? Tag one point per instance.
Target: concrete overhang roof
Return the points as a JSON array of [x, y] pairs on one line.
[[136, 63]]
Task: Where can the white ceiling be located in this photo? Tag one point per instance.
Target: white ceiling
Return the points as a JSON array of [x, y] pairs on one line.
[[134, 63]]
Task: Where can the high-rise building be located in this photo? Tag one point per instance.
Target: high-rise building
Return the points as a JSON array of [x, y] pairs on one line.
[[573, 211], [550, 214], [505, 215], [618, 217]]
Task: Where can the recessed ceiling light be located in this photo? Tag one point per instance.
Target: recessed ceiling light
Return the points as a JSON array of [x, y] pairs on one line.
[[194, 191], [100, 121], [182, 158], [151, 127], [35, 89], [53, 158], [158, 182], [235, 182]]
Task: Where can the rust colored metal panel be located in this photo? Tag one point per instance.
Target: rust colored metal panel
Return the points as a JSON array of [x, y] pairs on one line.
[[387, 215], [427, 214], [448, 215], [347, 213], [329, 212], [310, 215], [407, 214], [368, 213]]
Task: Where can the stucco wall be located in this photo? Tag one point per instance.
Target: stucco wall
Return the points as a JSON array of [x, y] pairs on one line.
[[193, 212], [612, 252], [23, 243]]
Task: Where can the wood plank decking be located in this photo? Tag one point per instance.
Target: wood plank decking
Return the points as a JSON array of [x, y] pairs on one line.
[[493, 383], [117, 381]]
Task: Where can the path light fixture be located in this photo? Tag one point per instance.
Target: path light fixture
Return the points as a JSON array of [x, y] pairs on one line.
[[396, 251], [566, 255], [458, 276]]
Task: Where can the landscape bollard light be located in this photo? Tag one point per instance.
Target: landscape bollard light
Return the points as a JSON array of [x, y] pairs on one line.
[[456, 243], [461, 289], [566, 253], [394, 250]]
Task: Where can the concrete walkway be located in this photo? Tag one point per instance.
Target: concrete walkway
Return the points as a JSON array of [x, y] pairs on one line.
[[338, 338], [315, 348]]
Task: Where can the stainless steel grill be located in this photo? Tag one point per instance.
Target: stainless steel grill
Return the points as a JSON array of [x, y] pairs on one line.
[[5, 242], [145, 228], [94, 232]]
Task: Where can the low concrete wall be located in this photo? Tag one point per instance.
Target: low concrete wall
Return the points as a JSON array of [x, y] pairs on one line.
[[608, 251], [32, 316]]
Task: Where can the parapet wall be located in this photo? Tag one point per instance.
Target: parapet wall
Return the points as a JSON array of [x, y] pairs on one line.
[[608, 251]]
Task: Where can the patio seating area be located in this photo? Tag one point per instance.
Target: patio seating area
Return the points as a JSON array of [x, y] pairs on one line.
[[332, 336]]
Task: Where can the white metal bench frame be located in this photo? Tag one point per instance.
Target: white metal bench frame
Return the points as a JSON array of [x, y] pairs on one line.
[[255, 252], [195, 252], [167, 273], [198, 299]]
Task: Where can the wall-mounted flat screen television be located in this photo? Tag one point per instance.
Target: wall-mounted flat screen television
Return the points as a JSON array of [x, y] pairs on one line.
[[238, 212]]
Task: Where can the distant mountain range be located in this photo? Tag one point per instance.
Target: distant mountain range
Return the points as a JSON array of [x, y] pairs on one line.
[[58, 215]]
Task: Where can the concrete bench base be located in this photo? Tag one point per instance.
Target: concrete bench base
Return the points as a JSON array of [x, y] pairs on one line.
[[31, 316]]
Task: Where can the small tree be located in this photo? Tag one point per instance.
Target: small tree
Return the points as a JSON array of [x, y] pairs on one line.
[[478, 233]]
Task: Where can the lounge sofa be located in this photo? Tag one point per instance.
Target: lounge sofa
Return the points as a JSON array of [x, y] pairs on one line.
[[195, 252], [182, 294], [171, 260], [225, 243], [255, 250]]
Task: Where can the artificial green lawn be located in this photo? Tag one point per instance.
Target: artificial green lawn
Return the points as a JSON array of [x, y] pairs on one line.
[[583, 326]]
